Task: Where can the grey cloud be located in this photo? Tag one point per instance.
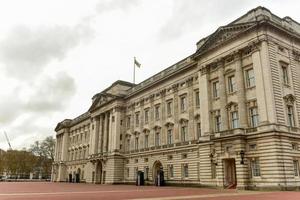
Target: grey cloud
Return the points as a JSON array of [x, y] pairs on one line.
[[49, 96], [10, 107], [25, 133], [191, 15], [53, 94], [26, 51], [110, 5]]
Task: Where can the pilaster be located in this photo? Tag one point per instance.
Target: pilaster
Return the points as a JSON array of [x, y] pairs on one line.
[[240, 86], [223, 96], [204, 91]]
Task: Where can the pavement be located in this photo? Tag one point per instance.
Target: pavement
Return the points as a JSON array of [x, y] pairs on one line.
[[68, 191]]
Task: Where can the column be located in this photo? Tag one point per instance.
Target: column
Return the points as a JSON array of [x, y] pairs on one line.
[[96, 139], [240, 87], [91, 138], [263, 84], [110, 135], [204, 91], [116, 130], [100, 142], [105, 138], [223, 96], [176, 114]]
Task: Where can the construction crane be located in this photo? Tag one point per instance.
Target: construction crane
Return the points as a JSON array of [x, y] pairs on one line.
[[7, 141]]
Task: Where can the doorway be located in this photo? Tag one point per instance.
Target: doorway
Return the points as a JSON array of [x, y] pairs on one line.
[[229, 173], [158, 174], [98, 172]]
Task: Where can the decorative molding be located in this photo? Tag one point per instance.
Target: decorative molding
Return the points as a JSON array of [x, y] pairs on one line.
[[289, 99]]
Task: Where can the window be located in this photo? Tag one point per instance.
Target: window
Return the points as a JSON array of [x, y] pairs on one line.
[[157, 112], [215, 89], [197, 99], [183, 103], [255, 168], [252, 147], [170, 157], [169, 108], [250, 79], [128, 122], [171, 171], [146, 116], [285, 74], [217, 122], [231, 84], [157, 139], [136, 143], [234, 119], [198, 128], [137, 119], [296, 167], [185, 171], [295, 146], [128, 145], [253, 116], [184, 133], [146, 141], [290, 113], [170, 136]]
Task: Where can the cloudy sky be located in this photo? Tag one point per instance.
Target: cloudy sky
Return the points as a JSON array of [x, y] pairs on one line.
[[56, 54]]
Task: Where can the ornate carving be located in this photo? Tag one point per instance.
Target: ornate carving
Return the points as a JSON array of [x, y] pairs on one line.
[[163, 92], [296, 55], [204, 70], [189, 81], [231, 105], [175, 87], [289, 99]]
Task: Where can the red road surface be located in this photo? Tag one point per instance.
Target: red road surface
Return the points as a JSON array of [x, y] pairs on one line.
[[66, 191]]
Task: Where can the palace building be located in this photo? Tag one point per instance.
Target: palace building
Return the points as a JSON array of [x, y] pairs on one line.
[[226, 116]]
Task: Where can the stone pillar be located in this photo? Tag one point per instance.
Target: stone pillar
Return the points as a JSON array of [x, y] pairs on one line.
[[110, 132], [106, 132], [223, 96], [240, 87], [176, 114], [100, 142], [204, 91], [116, 130], [64, 145], [92, 137], [263, 84], [191, 107], [96, 140]]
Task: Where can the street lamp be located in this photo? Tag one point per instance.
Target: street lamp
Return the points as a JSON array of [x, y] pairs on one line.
[[242, 153]]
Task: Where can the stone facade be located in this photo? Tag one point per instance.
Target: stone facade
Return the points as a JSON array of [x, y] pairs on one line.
[[227, 116]]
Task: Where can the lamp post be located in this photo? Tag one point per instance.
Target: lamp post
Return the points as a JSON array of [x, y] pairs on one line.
[[242, 154]]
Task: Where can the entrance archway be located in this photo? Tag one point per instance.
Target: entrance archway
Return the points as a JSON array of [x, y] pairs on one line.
[[157, 171], [229, 174], [77, 177], [98, 172]]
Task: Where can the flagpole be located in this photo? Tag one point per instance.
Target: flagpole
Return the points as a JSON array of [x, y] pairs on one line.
[[133, 70]]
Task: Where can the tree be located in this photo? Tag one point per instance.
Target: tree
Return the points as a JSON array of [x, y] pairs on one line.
[[19, 163], [45, 155]]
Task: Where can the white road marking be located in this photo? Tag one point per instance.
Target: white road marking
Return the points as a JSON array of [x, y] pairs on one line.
[[82, 192], [200, 196]]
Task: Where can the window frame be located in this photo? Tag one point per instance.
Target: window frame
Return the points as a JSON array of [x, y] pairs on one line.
[[216, 89], [250, 81], [231, 84]]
